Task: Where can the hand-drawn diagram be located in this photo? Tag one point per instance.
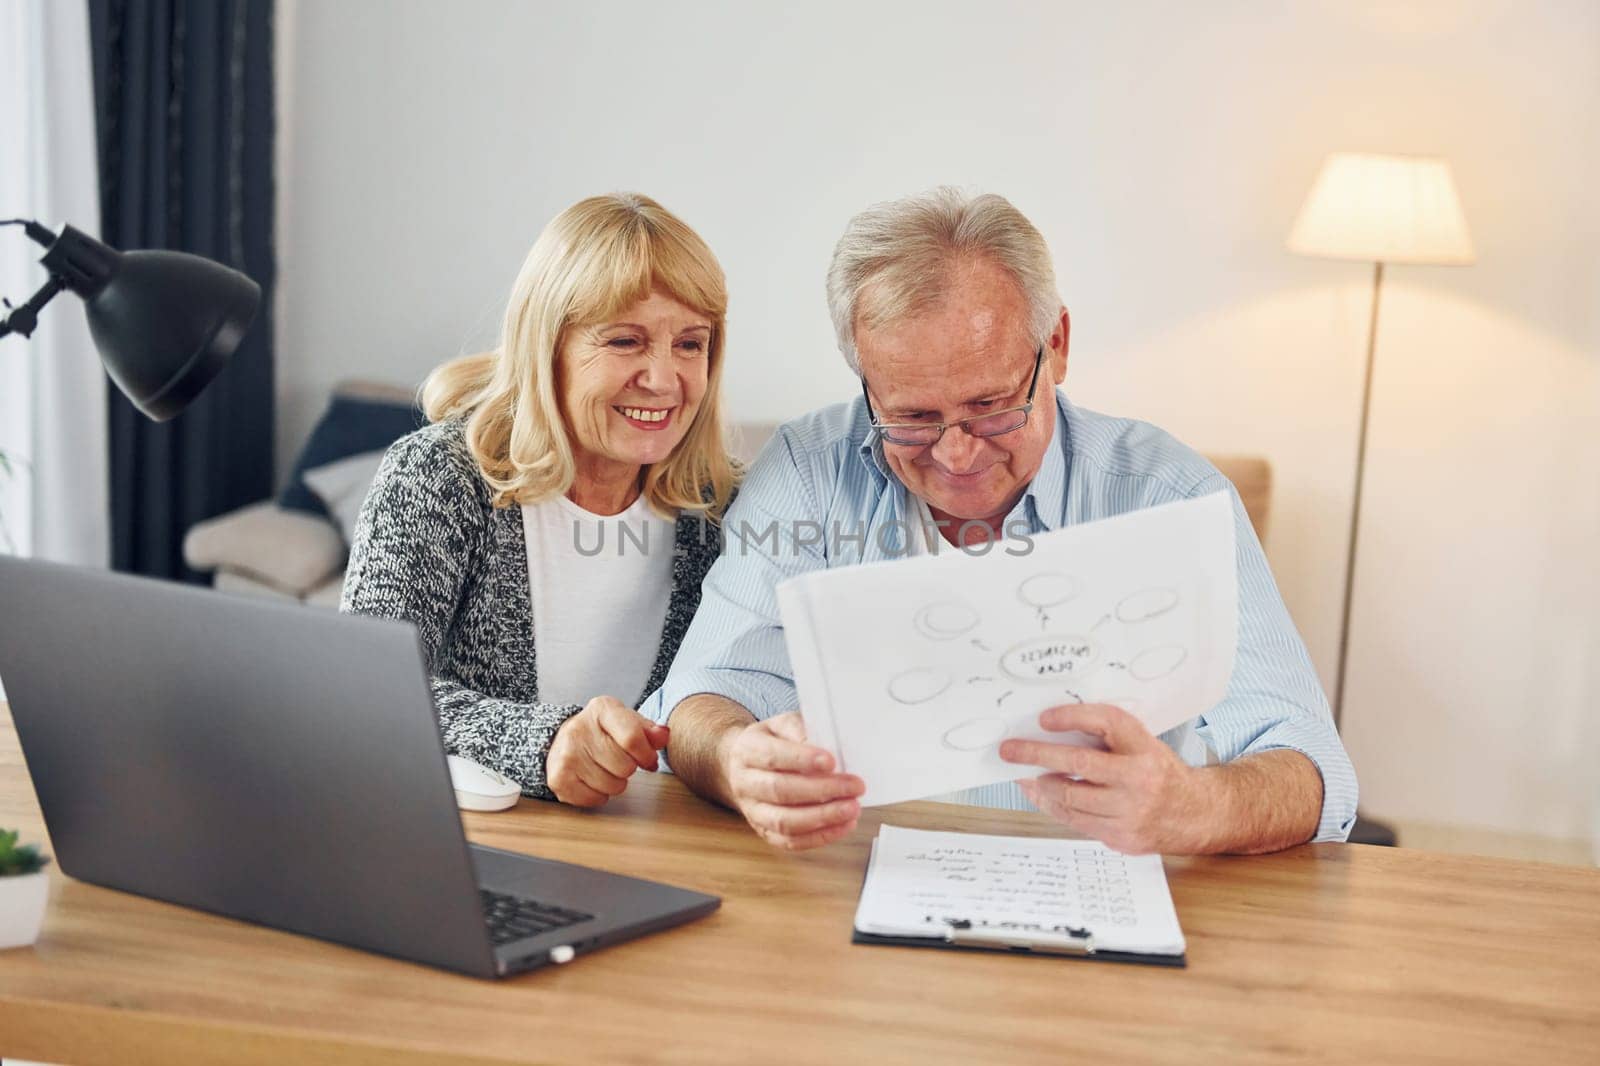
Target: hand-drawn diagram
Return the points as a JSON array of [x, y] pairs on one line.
[[914, 672], [1063, 657], [918, 686], [1143, 606], [946, 621], [976, 735], [1048, 660], [1050, 589], [1157, 662]]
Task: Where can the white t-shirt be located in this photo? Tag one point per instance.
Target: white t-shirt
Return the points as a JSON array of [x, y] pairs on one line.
[[599, 586]]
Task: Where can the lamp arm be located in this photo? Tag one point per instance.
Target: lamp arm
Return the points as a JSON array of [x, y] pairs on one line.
[[23, 319]]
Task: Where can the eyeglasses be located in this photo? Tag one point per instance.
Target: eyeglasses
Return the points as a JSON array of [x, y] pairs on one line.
[[990, 424]]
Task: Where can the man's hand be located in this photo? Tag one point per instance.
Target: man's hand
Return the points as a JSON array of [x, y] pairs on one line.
[[1137, 797], [785, 788], [598, 749]]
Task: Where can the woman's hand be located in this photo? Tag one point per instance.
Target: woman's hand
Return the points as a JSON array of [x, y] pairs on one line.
[[598, 749]]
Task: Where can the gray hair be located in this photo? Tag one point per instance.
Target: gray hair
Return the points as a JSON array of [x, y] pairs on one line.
[[895, 257]]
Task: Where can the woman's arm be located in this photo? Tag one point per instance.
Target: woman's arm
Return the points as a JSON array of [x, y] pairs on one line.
[[422, 534], [505, 735]]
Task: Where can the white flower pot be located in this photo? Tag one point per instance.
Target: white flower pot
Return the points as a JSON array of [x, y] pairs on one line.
[[22, 901]]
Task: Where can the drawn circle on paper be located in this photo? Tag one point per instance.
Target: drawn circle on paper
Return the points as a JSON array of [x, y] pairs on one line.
[[1154, 663], [1051, 660], [918, 686], [1148, 604], [975, 735], [946, 621], [1048, 589]]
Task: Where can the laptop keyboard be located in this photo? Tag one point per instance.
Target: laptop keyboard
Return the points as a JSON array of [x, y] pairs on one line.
[[514, 918]]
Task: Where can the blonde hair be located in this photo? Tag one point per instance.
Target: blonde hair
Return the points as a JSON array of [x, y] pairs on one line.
[[895, 258], [595, 259]]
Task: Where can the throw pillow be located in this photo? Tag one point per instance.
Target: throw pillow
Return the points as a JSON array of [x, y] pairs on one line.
[[342, 487], [350, 426]]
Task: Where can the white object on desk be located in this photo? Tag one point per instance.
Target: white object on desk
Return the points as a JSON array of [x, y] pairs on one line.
[[479, 788], [911, 672], [22, 904], [919, 882]]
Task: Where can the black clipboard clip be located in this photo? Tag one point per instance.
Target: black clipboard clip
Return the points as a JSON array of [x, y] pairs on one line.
[[1016, 936]]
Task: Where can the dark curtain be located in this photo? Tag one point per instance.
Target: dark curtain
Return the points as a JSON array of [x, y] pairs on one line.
[[184, 114]]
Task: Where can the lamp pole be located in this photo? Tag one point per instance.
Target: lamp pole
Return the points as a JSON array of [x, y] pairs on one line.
[[1355, 509], [1365, 830]]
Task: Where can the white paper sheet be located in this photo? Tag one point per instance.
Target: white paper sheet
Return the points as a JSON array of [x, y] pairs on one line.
[[911, 672], [917, 881]]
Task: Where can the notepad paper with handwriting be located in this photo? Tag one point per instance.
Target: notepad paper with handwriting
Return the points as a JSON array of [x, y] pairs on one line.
[[924, 884], [912, 671]]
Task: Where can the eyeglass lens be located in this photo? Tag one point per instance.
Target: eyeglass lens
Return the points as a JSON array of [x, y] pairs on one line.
[[982, 426]]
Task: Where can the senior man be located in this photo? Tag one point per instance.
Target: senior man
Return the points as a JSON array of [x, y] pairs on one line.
[[945, 304]]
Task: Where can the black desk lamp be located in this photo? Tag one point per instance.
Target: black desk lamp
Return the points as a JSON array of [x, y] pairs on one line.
[[165, 322]]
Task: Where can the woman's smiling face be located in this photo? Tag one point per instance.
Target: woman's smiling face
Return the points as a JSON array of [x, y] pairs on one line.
[[631, 385]]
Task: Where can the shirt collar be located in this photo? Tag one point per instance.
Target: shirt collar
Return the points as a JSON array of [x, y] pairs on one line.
[[871, 447], [1044, 503], [1046, 497]]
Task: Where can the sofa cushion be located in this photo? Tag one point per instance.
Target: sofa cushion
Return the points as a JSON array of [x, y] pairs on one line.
[[342, 487], [244, 585], [328, 594], [351, 425], [290, 550]]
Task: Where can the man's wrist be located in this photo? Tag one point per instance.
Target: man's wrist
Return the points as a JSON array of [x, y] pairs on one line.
[[722, 754], [1206, 806], [705, 726], [1257, 803]]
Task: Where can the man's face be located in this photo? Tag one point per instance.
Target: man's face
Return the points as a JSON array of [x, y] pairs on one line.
[[969, 355]]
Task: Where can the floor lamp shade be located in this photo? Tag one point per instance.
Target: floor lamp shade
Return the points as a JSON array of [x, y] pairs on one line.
[[1383, 209]]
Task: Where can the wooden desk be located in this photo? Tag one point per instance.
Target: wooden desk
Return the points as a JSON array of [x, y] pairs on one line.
[[1323, 953]]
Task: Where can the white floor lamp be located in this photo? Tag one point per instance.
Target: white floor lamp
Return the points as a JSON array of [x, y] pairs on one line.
[[1378, 209]]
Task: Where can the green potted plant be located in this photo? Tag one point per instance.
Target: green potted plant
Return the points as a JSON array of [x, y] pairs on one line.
[[24, 888]]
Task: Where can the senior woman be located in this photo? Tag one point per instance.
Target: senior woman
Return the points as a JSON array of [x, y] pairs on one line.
[[560, 496]]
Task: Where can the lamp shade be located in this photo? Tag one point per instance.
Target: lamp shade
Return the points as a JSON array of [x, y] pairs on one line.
[[165, 322], [1383, 208]]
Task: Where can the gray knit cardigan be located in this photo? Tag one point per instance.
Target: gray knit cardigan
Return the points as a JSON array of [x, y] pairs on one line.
[[430, 549]]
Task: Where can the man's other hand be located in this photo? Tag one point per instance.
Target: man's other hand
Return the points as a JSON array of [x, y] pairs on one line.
[[1137, 796]]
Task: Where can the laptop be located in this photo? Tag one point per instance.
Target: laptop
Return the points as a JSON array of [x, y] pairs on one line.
[[282, 765]]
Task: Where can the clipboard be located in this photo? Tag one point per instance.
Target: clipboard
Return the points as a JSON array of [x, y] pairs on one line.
[[1011, 937], [1038, 944]]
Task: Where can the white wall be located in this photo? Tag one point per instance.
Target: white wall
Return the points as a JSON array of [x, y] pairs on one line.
[[1163, 148]]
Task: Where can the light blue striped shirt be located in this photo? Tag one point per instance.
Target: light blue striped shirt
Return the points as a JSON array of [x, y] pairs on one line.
[[825, 473]]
